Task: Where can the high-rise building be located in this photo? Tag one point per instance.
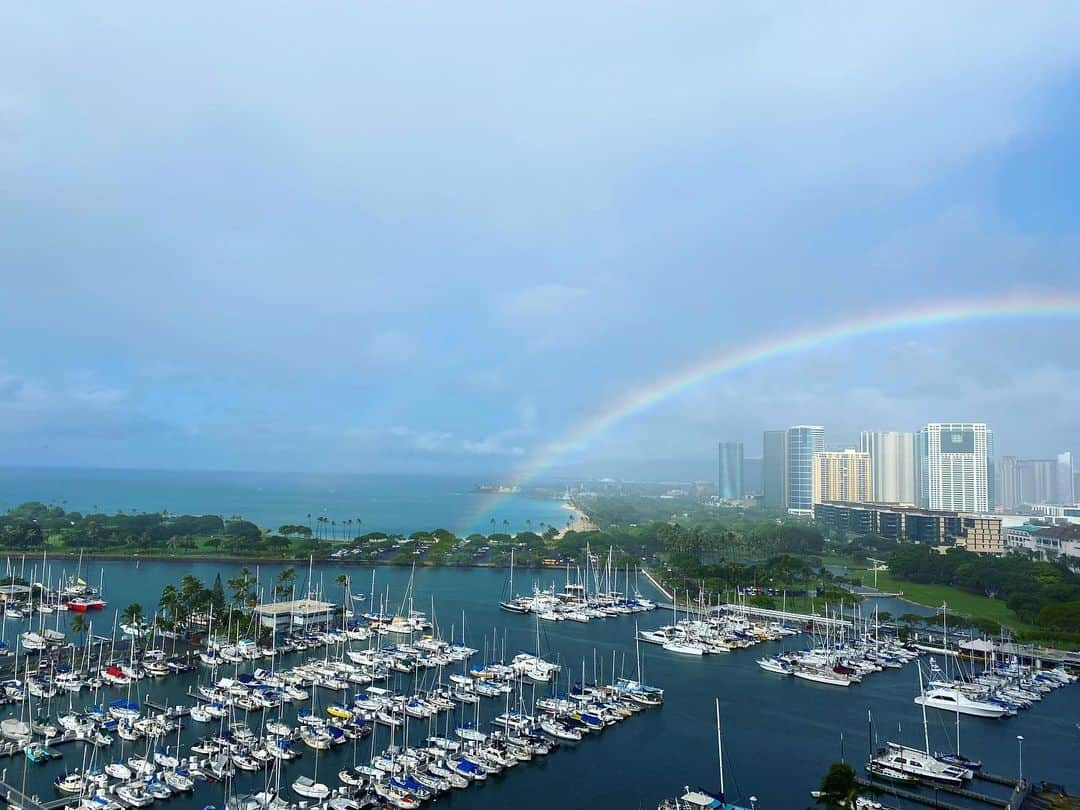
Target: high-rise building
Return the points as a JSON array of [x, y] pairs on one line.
[[803, 441], [1008, 483], [1066, 492], [774, 486], [892, 459], [729, 480], [1037, 481], [954, 466], [843, 476]]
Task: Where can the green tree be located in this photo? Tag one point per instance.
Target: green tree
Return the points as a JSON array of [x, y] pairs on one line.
[[217, 594], [285, 581], [170, 601], [838, 787], [132, 613], [240, 586], [79, 624]]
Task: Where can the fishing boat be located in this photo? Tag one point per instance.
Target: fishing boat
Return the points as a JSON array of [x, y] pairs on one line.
[[71, 783], [39, 753]]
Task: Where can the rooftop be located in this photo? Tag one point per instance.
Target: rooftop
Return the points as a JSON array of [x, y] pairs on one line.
[[295, 606], [1068, 532]]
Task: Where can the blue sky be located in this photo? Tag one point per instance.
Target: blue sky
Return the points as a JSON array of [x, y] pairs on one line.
[[390, 237]]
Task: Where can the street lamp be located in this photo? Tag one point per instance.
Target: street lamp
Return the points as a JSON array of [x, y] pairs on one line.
[[1020, 752]]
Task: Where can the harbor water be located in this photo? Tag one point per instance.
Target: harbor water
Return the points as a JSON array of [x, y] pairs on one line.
[[780, 734]]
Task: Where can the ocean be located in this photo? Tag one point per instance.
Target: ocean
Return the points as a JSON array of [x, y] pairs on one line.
[[387, 503]]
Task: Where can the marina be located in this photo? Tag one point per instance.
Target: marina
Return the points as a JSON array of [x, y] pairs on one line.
[[542, 663]]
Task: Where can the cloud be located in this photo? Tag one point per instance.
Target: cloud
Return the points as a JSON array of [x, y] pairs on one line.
[[235, 246], [40, 410], [542, 302]]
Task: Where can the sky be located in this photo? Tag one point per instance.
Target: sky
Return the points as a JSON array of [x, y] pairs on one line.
[[394, 237]]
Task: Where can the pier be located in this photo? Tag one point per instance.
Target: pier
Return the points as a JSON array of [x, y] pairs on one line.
[[16, 799], [785, 615], [1016, 801]]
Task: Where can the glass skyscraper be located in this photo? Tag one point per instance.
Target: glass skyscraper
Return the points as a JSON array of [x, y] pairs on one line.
[[729, 480], [774, 469], [802, 442]]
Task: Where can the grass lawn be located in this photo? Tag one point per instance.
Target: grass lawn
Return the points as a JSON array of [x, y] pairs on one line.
[[973, 605]]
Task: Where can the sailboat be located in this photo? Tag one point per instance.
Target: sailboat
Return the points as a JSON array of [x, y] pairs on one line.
[[920, 763], [699, 798], [513, 604]]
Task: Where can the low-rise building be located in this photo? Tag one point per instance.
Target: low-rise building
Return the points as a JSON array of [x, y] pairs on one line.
[[296, 614], [1045, 542], [935, 527]]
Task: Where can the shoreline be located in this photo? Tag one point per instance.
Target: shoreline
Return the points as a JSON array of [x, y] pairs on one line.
[[581, 521], [344, 562]]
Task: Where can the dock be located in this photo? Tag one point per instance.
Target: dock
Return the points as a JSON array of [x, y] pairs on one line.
[[10, 749], [1016, 801], [16, 799], [785, 615], [655, 583]]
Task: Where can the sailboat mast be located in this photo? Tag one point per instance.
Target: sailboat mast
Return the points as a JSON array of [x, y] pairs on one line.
[[925, 729], [719, 749]]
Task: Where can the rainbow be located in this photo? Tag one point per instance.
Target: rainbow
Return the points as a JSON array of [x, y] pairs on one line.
[[920, 316]]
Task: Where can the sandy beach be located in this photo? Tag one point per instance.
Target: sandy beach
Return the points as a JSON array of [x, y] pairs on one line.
[[581, 520]]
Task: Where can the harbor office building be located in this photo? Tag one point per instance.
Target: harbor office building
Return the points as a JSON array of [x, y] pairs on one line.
[[297, 614], [905, 524]]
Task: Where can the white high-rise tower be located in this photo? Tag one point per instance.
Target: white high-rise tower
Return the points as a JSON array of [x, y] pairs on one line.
[[953, 461], [892, 457]]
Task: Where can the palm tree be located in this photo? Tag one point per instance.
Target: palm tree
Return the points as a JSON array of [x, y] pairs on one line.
[[284, 582], [170, 600], [79, 624], [132, 613], [309, 521]]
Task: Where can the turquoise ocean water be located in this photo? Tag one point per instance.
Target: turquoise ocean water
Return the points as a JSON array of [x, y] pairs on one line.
[[383, 503]]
